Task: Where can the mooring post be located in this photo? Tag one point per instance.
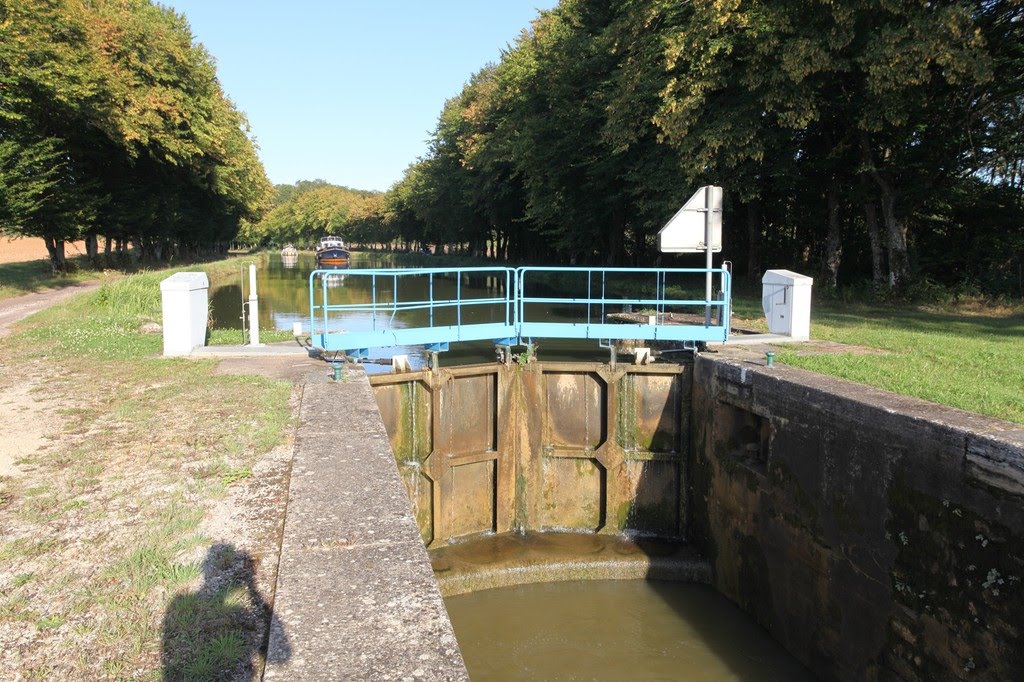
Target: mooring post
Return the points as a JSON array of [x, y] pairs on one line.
[[254, 309]]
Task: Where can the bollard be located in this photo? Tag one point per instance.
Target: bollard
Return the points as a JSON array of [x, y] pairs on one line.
[[254, 309], [336, 366], [769, 359]]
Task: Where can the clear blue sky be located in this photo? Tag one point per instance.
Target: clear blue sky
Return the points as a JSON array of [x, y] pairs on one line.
[[348, 91]]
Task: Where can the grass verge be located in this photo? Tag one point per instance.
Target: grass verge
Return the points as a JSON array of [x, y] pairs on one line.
[[967, 360], [110, 537], [36, 275], [968, 355]]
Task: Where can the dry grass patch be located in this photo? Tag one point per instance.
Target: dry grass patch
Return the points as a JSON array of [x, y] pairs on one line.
[[153, 504]]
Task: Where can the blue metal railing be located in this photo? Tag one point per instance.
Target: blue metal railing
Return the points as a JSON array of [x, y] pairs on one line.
[[377, 324], [518, 307], [613, 290]]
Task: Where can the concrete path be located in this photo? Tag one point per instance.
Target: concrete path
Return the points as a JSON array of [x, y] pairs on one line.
[[18, 308], [356, 597], [267, 350]]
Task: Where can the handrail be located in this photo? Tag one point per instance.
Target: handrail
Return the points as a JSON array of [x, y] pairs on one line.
[[392, 332], [446, 322], [592, 327]]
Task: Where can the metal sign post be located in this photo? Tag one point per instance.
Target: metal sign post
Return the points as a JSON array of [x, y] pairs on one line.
[[697, 227], [708, 227]]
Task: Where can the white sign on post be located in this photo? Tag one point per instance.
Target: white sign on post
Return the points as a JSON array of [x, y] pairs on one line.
[[697, 228], [685, 232]]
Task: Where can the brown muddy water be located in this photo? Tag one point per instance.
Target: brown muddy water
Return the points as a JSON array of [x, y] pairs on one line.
[[614, 630]]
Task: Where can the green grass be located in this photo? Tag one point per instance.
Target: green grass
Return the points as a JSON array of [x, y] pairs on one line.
[[36, 275], [953, 357], [233, 337]]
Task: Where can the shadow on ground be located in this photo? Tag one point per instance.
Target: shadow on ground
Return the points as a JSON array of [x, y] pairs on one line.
[[220, 631]]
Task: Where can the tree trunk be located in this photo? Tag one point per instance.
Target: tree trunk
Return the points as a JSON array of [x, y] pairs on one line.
[[92, 247], [875, 238], [895, 231], [55, 248], [616, 235], [896, 239], [754, 254], [834, 237]]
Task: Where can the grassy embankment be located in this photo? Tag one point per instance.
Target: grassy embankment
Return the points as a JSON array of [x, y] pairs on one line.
[[961, 356], [37, 275], [109, 527], [969, 354]]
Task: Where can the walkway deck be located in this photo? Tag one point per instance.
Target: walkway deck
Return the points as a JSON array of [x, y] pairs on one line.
[[356, 597]]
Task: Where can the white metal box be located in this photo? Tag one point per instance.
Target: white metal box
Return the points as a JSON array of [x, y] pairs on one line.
[[786, 300], [185, 299]]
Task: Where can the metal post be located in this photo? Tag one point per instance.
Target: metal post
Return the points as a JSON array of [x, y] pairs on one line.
[[709, 207], [254, 309]]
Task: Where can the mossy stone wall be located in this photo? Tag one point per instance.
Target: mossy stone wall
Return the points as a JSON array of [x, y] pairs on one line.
[[876, 536]]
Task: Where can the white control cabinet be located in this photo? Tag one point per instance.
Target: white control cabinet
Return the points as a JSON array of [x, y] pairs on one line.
[[185, 298], [786, 300]]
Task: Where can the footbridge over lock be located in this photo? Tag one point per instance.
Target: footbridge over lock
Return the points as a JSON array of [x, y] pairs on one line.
[[519, 305]]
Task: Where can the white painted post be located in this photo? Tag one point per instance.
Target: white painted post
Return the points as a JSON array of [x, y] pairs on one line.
[[185, 303], [400, 363], [709, 204], [254, 309]]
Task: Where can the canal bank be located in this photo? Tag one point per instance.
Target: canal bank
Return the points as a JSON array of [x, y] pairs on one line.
[[872, 535]]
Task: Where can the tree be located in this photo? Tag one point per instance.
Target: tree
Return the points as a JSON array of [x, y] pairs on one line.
[[126, 109]]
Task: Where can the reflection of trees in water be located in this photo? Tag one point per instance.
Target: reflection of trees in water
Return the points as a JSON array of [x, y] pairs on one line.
[[284, 292], [292, 296], [218, 632]]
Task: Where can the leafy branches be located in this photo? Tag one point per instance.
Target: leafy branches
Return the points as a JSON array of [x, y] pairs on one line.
[[846, 133], [113, 123]]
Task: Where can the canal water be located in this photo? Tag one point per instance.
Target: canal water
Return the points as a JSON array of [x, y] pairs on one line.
[[614, 630], [283, 287]]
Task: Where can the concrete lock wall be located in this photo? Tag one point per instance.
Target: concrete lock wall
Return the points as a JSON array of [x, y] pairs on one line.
[[876, 536], [549, 446]]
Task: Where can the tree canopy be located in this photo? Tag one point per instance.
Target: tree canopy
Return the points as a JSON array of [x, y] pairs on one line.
[[856, 139], [304, 212], [113, 123]]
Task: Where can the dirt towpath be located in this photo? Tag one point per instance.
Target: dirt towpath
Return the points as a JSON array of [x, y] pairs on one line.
[[18, 308], [23, 415]]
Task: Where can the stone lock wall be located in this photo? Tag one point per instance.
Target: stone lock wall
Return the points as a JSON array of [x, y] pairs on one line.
[[876, 536], [546, 446]]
